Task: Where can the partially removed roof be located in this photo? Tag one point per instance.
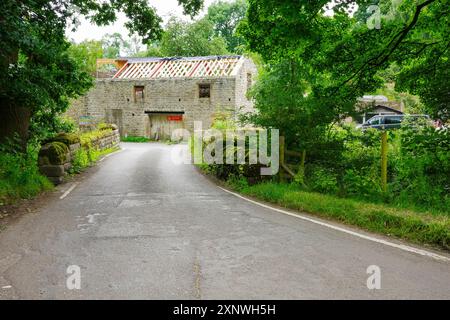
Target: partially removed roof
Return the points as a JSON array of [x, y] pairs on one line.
[[192, 67]]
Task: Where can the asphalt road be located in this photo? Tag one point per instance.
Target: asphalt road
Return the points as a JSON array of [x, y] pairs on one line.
[[139, 226]]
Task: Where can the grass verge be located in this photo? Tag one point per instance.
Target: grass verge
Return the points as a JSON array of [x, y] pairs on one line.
[[423, 228], [20, 177], [84, 158], [134, 139]]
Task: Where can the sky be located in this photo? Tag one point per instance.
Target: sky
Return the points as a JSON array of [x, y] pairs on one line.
[[164, 8]]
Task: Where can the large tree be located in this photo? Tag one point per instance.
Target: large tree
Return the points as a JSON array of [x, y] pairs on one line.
[[342, 55], [225, 17], [37, 75], [191, 39], [113, 44], [86, 54]]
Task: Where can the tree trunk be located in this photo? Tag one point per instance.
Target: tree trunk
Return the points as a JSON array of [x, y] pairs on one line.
[[14, 119], [14, 122]]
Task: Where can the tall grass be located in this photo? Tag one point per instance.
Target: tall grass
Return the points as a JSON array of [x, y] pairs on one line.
[[420, 227], [20, 177]]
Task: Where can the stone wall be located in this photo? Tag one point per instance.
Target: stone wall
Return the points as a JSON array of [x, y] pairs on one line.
[[56, 168], [113, 100], [248, 70], [109, 141]]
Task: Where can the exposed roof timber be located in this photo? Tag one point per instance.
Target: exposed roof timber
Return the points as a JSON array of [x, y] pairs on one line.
[[211, 66]]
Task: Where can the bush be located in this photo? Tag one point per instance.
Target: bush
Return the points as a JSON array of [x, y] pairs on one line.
[[80, 161], [418, 166], [422, 168], [20, 177], [66, 138], [323, 180], [87, 138], [65, 124], [360, 185]]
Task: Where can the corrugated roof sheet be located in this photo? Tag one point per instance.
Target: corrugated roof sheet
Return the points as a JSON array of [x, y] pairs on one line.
[[179, 67]]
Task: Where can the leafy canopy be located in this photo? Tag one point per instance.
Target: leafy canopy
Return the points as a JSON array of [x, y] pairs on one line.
[[343, 55], [36, 70], [225, 17], [190, 39]]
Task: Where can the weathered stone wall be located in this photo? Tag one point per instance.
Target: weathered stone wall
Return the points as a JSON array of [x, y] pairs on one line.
[[56, 169], [113, 100], [248, 69], [109, 141]]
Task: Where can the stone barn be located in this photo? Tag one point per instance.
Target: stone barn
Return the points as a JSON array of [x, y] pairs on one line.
[[152, 96]]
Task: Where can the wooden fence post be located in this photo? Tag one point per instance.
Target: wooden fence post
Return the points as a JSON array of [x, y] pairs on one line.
[[384, 148]]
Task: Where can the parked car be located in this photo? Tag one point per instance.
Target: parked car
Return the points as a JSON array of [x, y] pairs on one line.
[[386, 122]]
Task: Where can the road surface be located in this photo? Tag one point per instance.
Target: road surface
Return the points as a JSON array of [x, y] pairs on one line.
[[140, 227]]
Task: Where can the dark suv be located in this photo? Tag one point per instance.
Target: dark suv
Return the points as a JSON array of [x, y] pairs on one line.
[[393, 121]]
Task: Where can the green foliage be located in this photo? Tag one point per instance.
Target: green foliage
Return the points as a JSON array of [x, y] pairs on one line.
[[88, 154], [422, 170], [153, 50], [191, 39], [323, 180], [20, 177], [225, 171], [81, 160], [134, 139], [37, 72], [65, 124], [86, 157], [225, 17], [420, 227], [66, 138], [347, 163], [54, 153], [113, 45], [341, 55], [88, 137], [106, 126], [280, 96], [86, 54]]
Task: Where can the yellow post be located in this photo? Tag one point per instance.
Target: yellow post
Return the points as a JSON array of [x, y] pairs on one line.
[[281, 156], [384, 147]]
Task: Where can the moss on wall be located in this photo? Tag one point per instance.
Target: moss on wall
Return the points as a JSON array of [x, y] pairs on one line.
[[66, 138], [54, 153]]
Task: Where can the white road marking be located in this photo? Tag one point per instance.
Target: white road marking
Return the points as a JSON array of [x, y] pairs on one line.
[[69, 190], [6, 287], [356, 234]]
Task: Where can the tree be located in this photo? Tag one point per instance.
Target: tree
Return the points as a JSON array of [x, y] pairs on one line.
[[153, 50], [113, 45], [191, 39], [134, 46], [225, 17], [86, 54], [37, 75], [281, 98], [342, 55]]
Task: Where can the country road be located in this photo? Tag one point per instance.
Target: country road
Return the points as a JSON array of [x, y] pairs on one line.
[[141, 227]]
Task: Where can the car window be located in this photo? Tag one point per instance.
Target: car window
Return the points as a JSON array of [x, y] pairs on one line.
[[393, 120], [374, 121]]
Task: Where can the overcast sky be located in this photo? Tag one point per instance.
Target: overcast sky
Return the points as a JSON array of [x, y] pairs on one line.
[[165, 9]]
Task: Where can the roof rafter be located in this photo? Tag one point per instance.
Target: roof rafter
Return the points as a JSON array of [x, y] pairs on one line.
[[195, 67]]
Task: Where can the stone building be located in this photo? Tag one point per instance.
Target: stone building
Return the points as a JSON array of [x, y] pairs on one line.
[[153, 96]]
